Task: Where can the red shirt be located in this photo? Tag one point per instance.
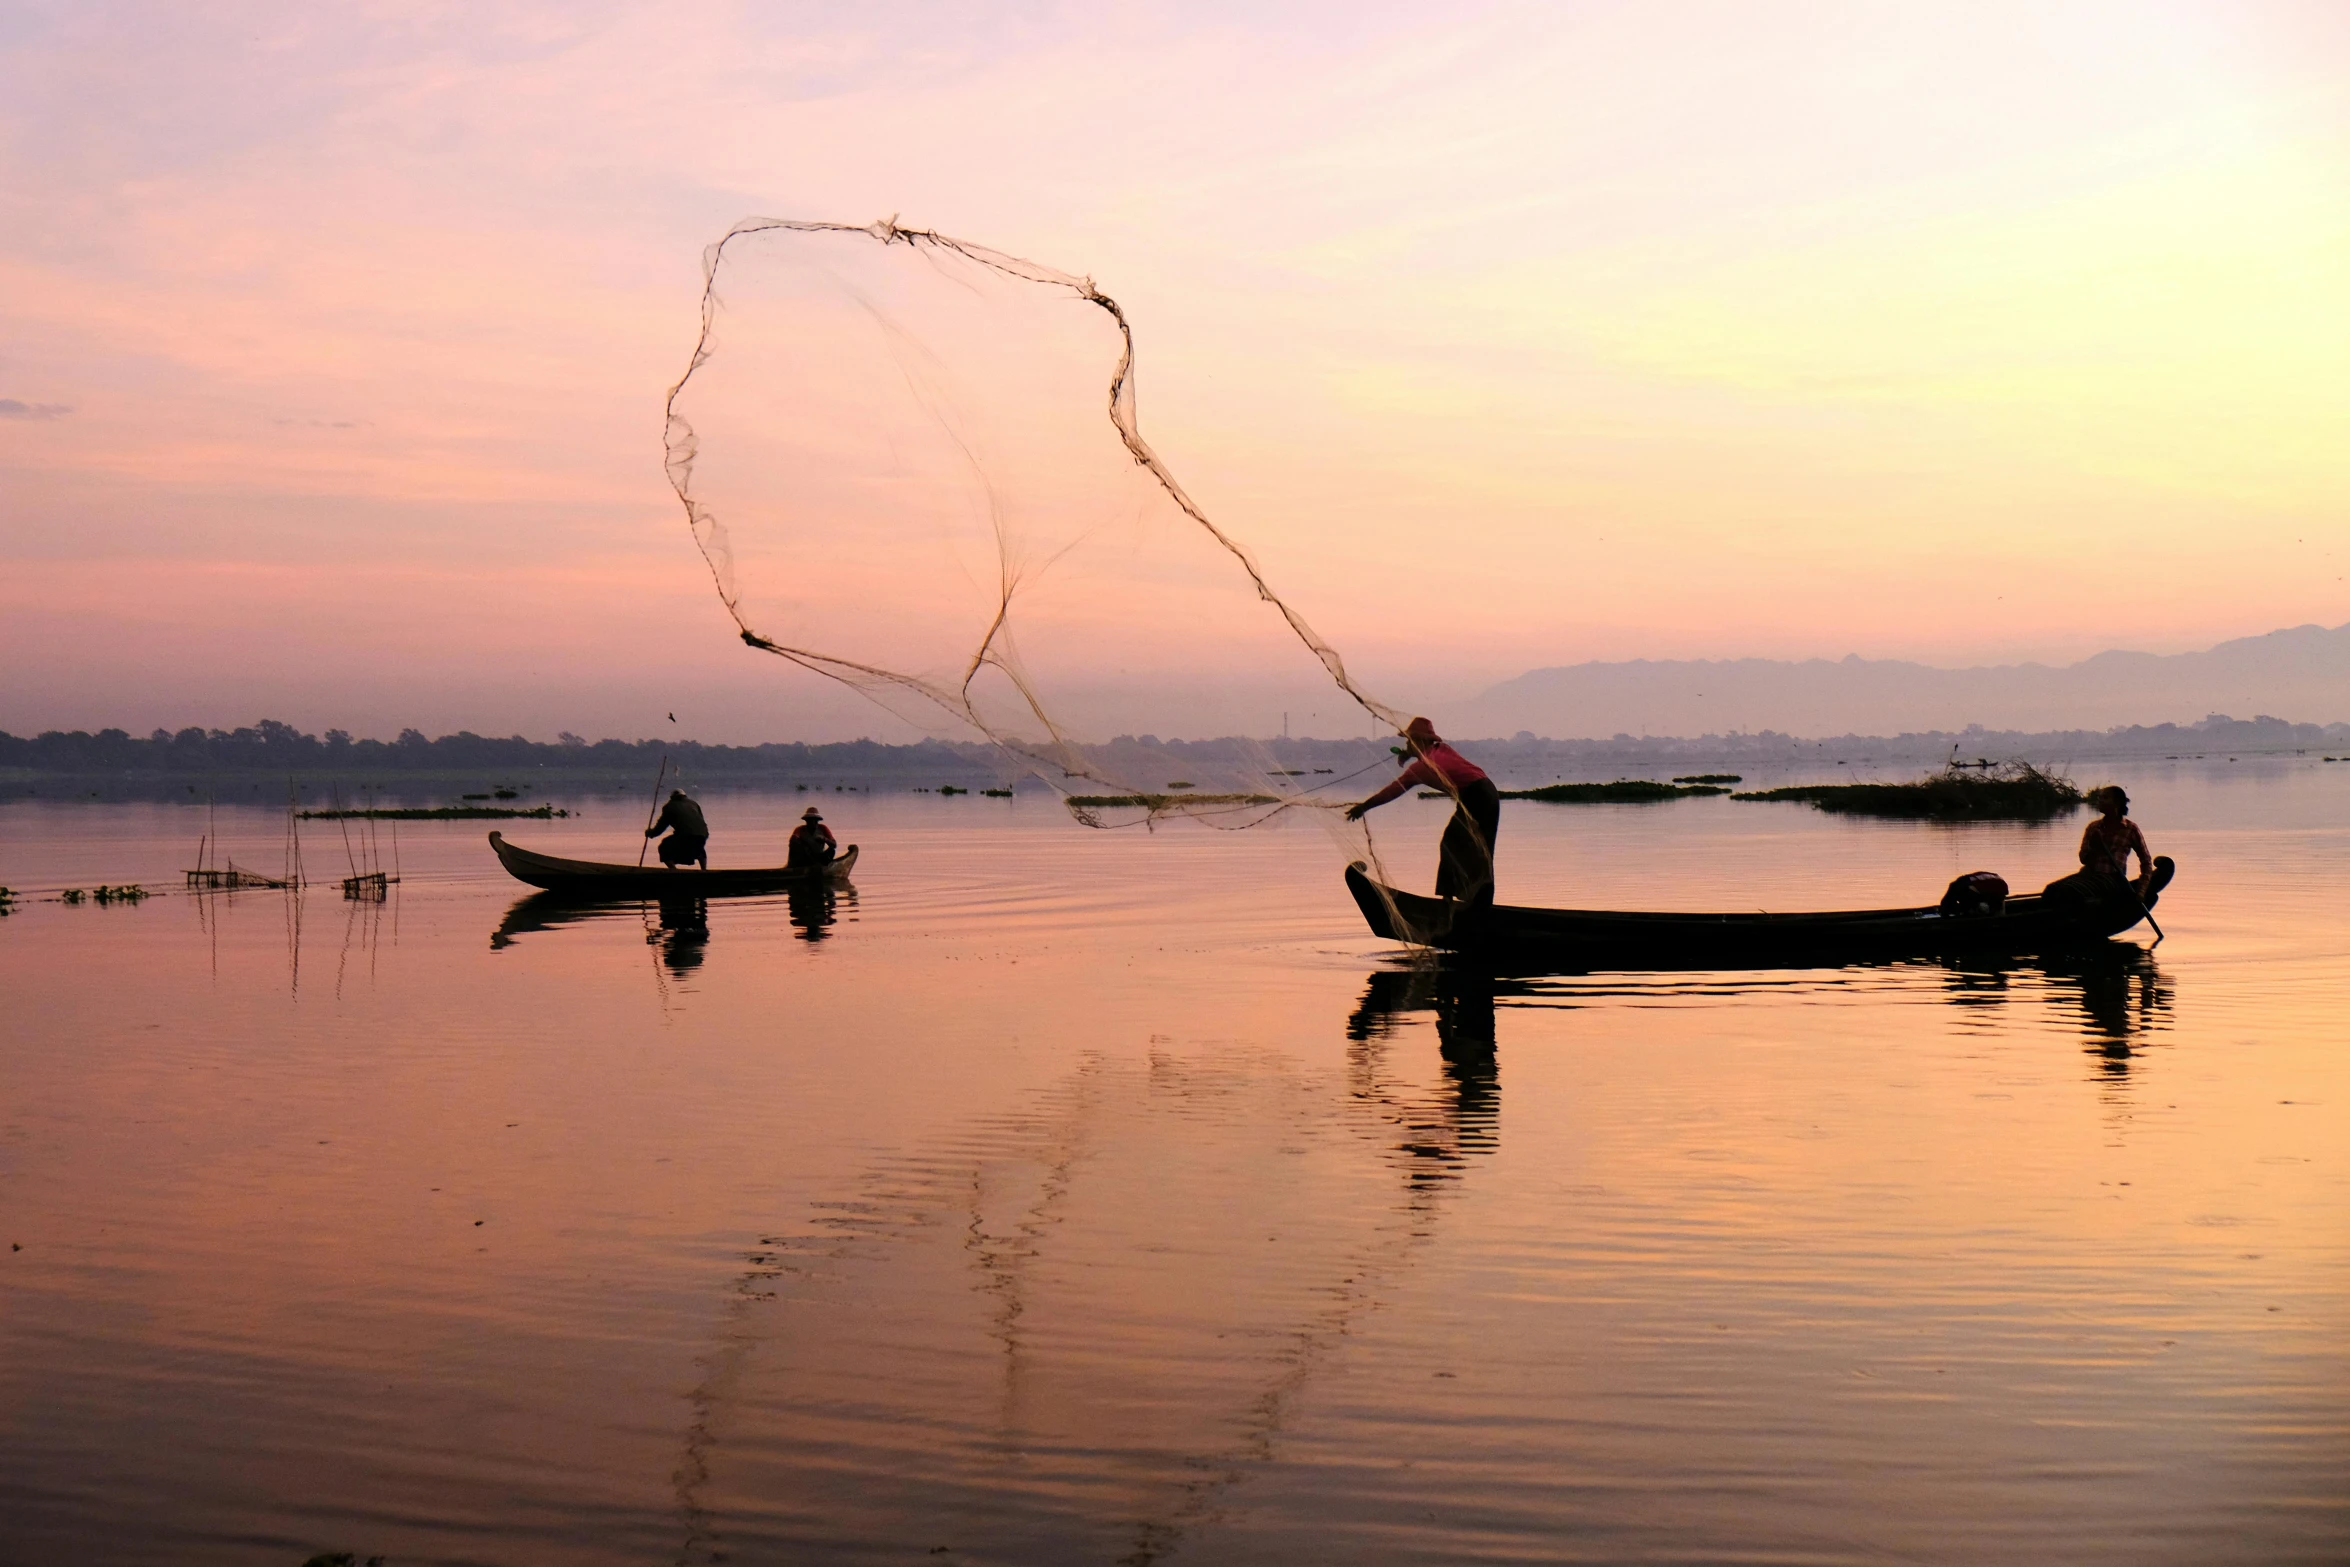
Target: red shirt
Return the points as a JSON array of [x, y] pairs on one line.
[[1441, 768]]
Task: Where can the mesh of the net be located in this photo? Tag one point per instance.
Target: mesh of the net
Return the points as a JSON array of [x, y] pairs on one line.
[[914, 467]]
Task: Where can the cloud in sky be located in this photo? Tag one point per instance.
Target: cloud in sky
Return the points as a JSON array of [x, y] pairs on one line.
[[17, 408], [1507, 335]]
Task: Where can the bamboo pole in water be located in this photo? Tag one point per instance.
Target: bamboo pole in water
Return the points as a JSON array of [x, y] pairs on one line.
[[659, 779]]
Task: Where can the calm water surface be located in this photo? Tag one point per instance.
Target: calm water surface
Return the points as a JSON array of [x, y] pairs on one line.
[[1069, 1196]]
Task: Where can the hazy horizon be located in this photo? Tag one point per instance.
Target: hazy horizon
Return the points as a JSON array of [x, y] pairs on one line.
[[2300, 674]]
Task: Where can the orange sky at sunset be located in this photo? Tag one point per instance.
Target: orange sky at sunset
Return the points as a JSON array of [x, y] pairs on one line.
[[333, 340]]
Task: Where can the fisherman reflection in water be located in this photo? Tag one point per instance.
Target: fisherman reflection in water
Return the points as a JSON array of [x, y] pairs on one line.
[[684, 932], [688, 842], [1464, 869], [812, 845]]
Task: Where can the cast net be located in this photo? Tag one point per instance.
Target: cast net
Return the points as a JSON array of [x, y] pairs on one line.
[[915, 467]]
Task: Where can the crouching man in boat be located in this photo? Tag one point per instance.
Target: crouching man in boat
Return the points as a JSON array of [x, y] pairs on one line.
[[688, 842], [812, 844], [1464, 867]]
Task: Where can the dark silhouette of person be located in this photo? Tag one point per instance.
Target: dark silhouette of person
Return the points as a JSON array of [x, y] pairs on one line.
[[2108, 842], [1464, 866], [2106, 847], [812, 844], [688, 842]]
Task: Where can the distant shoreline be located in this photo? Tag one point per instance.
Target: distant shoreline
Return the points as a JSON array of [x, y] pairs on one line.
[[266, 758]]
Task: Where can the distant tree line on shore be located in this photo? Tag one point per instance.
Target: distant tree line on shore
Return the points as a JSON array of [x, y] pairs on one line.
[[274, 747], [280, 748]]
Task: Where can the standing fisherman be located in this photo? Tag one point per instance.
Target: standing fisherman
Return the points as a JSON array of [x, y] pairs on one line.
[[688, 842], [1464, 866]]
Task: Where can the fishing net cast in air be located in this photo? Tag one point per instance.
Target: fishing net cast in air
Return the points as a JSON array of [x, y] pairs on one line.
[[889, 445]]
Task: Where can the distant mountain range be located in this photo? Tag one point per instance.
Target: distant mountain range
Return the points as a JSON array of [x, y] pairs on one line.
[[2303, 672]]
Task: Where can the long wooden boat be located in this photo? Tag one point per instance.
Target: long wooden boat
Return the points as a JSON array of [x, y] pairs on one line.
[[2028, 923], [592, 879]]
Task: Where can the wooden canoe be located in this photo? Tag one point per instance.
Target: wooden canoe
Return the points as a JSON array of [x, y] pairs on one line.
[[591, 879], [2024, 924]]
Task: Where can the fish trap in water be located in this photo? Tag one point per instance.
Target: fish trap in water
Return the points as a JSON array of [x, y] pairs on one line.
[[231, 878]]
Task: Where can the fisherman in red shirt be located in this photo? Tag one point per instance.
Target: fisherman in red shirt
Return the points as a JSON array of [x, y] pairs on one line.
[[1464, 867]]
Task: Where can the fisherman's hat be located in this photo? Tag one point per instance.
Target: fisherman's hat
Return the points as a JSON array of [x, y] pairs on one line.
[[811, 814]]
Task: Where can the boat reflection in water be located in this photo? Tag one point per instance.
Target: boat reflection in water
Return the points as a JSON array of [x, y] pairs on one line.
[[678, 927], [2114, 995]]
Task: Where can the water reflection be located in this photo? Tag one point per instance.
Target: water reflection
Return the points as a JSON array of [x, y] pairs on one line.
[[1443, 1129], [683, 932], [814, 909], [2114, 995], [679, 928]]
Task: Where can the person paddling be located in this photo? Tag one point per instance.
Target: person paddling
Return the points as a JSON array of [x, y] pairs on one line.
[[2109, 841], [688, 842], [812, 845], [2103, 880], [1464, 866]]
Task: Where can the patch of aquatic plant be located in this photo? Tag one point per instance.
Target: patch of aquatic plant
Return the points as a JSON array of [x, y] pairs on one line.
[[438, 813], [951, 789], [1624, 791], [997, 794], [2009, 792], [6, 898], [1710, 778], [130, 893]]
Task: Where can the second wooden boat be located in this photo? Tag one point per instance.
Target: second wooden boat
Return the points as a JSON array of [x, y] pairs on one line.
[[2029, 923], [593, 879]]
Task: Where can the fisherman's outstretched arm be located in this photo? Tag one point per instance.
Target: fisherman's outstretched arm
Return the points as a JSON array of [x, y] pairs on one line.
[[1418, 772]]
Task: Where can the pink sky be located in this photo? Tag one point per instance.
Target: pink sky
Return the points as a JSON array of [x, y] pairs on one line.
[[332, 340]]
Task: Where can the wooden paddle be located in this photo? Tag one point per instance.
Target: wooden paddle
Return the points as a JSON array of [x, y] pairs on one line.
[[659, 779]]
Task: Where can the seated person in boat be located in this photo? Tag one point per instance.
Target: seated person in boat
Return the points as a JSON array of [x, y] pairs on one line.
[[688, 842], [812, 843], [1464, 867], [2109, 841], [2106, 847]]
